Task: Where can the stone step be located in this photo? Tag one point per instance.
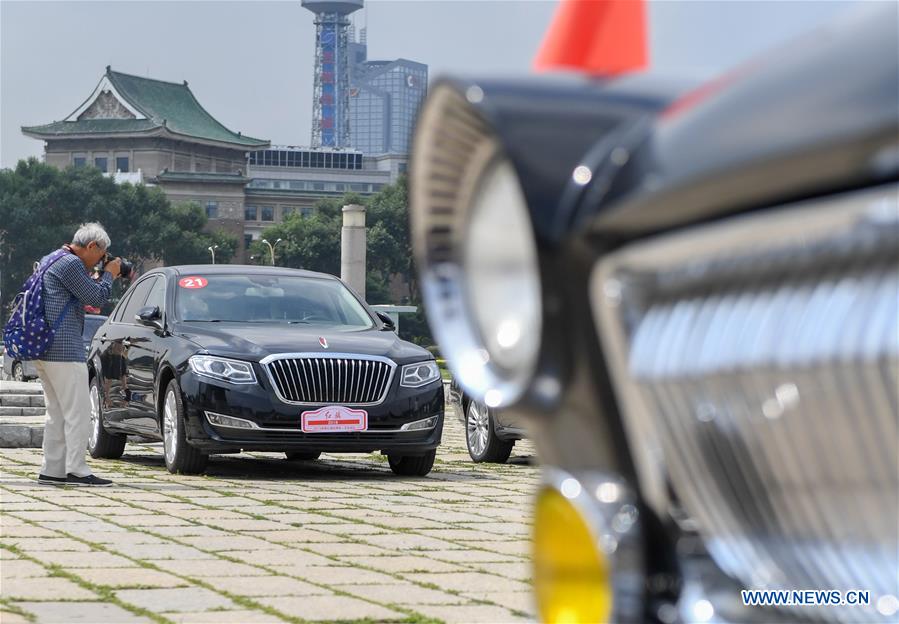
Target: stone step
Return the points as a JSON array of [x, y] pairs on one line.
[[22, 400], [22, 411], [20, 387], [21, 436]]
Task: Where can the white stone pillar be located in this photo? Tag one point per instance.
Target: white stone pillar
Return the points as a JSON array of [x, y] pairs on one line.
[[352, 248]]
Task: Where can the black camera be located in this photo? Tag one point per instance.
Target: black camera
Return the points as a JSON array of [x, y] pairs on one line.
[[125, 267]]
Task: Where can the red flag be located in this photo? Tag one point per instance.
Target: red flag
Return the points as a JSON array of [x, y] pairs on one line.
[[601, 37]]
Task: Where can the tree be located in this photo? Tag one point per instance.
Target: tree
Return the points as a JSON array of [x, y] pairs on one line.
[[42, 206], [313, 243]]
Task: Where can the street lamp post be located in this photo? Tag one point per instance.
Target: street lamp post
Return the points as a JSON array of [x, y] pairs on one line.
[[212, 251], [271, 248]]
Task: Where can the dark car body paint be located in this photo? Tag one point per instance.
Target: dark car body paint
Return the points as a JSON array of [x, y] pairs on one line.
[[158, 355]]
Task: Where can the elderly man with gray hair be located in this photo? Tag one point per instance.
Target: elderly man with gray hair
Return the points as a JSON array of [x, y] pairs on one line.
[[62, 367]]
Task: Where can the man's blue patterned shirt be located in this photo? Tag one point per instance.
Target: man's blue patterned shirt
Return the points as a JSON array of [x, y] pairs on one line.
[[69, 278]]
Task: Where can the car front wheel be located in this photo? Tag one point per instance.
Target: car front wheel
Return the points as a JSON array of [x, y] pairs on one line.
[[101, 444], [480, 436], [180, 457], [18, 371], [411, 465]]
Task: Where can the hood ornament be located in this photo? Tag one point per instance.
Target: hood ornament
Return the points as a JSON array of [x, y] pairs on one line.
[[323, 343]]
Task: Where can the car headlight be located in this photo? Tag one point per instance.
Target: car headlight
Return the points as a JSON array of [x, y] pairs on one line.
[[500, 259], [224, 369], [480, 277], [491, 165], [419, 374], [587, 550]]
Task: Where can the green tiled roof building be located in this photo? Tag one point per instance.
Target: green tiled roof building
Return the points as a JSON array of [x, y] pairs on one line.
[[141, 129]]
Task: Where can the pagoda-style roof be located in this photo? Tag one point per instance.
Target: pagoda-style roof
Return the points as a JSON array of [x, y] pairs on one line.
[[123, 104]]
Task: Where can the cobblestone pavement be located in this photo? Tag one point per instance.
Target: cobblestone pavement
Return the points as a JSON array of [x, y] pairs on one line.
[[260, 539]]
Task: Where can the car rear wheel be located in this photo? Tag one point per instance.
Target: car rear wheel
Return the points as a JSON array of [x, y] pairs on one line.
[[180, 457], [299, 456], [101, 444], [480, 436], [18, 371], [412, 466]]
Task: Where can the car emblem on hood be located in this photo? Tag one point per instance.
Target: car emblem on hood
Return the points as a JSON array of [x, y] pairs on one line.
[[323, 343]]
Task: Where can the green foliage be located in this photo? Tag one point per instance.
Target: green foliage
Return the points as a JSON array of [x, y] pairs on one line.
[[41, 207]]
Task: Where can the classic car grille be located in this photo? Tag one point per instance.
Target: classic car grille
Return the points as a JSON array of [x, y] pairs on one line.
[[760, 361], [330, 379]]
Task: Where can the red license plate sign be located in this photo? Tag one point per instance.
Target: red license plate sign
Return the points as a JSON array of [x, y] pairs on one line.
[[334, 419]]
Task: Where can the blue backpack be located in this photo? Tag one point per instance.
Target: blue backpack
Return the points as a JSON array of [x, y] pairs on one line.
[[27, 335]]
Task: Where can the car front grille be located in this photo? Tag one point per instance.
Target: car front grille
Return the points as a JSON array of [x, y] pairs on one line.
[[757, 363], [317, 379]]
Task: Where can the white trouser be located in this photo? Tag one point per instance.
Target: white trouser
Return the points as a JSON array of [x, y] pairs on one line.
[[68, 418]]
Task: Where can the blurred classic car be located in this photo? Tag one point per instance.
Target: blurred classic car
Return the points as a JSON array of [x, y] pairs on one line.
[[489, 434], [691, 299]]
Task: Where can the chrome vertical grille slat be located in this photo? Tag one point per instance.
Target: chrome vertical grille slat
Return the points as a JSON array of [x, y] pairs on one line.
[[367, 386], [294, 379], [761, 357], [333, 378]]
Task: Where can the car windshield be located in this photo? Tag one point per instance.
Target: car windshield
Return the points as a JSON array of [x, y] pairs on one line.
[[268, 299]]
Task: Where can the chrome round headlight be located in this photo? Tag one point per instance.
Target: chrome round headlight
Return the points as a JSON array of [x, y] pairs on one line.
[[475, 249], [500, 262]]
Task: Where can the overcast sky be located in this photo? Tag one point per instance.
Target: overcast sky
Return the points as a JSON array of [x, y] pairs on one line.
[[250, 62]]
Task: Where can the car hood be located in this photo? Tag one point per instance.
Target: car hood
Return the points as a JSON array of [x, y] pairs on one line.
[[255, 341]]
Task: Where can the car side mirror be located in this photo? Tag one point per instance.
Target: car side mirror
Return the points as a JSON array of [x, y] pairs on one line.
[[150, 316], [388, 322]]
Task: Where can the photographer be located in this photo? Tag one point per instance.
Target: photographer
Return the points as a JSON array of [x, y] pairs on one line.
[[62, 368]]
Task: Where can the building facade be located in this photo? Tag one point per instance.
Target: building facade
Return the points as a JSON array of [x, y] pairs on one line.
[[143, 130], [384, 100], [288, 180], [156, 132]]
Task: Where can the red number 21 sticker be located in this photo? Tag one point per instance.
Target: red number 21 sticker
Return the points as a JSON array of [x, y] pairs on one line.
[[193, 282]]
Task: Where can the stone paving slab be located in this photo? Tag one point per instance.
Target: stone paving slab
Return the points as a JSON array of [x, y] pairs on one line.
[[341, 575], [523, 602], [261, 540], [177, 599], [131, 578], [200, 568], [177, 552], [470, 581], [471, 614], [223, 617], [19, 568], [44, 588], [404, 563], [268, 585], [323, 608], [406, 594], [87, 612], [275, 558], [8, 617], [82, 559]]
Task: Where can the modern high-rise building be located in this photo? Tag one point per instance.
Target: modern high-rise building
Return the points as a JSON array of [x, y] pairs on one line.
[[330, 104], [384, 100]]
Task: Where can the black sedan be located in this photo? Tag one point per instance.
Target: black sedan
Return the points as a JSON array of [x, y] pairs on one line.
[[224, 359]]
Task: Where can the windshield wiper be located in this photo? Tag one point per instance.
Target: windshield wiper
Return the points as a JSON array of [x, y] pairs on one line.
[[295, 322], [201, 321]]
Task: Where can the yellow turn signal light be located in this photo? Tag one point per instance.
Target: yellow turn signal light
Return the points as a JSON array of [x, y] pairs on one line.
[[572, 580]]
